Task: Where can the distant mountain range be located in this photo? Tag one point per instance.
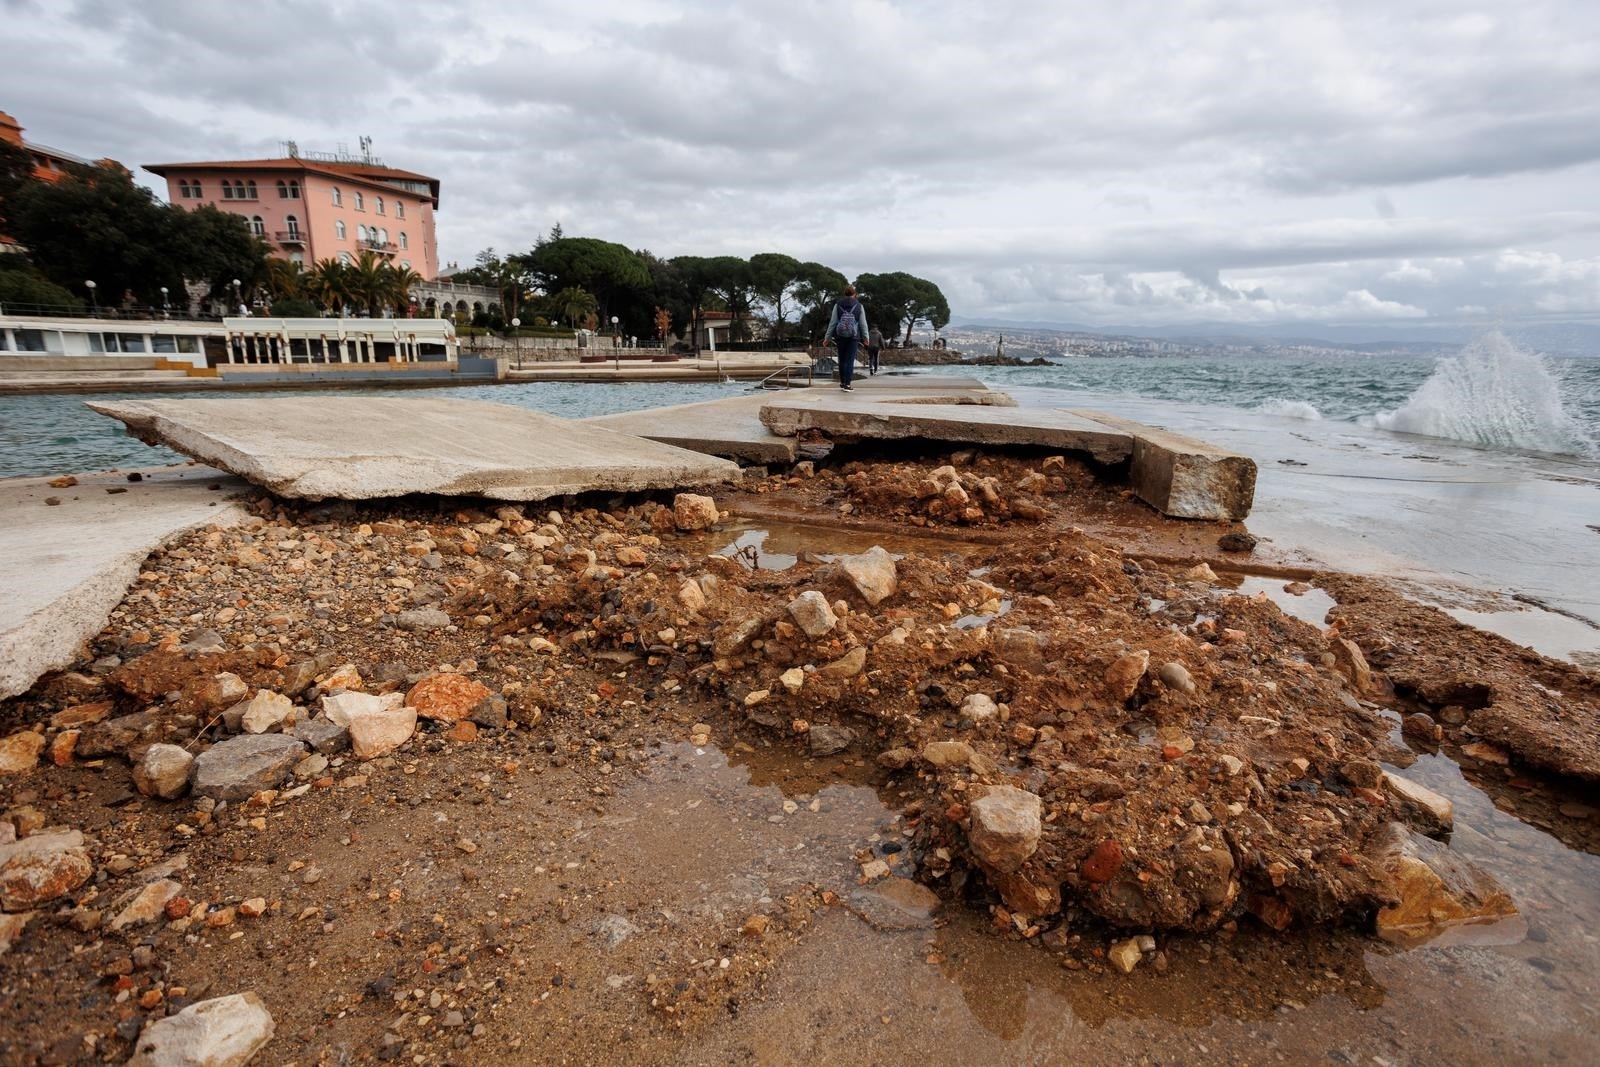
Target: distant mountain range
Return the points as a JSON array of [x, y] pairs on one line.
[[1564, 338]]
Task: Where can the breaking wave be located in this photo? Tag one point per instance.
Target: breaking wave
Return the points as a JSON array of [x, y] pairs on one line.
[[1495, 394], [1289, 409]]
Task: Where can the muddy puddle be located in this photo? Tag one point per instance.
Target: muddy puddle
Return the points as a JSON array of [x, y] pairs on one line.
[[731, 829], [776, 546], [1546, 632]]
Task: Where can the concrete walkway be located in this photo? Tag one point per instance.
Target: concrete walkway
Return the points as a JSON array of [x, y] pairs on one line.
[[361, 447], [65, 567]]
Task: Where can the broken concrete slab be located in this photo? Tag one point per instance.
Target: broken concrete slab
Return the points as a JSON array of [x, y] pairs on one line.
[[1183, 477], [847, 416], [358, 448], [67, 565], [732, 427]]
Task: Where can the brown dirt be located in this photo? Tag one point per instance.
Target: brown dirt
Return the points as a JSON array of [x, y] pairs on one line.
[[487, 873]]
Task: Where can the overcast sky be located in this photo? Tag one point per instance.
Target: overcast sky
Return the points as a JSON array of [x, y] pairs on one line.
[[1127, 162]]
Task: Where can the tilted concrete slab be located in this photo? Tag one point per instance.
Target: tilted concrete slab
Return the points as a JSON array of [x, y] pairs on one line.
[[64, 568], [732, 427], [361, 447], [847, 416], [1183, 477]]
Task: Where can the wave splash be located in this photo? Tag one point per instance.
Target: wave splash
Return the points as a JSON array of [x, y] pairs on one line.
[[1494, 394], [1289, 409]]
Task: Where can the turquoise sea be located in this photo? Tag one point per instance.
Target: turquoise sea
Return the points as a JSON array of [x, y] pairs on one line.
[[1491, 394]]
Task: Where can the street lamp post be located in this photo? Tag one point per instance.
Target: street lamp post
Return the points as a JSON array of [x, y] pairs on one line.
[[94, 304], [166, 305], [616, 345], [238, 293], [516, 326]]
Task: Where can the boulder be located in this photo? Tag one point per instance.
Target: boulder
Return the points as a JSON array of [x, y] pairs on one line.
[[979, 708], [223, 1032], [221, 691], [1175, 675], [691, 511], [490, 712], [871, 573], [421, 620], [42, 867], [19, 753], [1420, 807], [240, 767], [377, 732], [1349, 661], [956, 754], [446, 697], [1435, 891], [322, 735], [1018, 646], [339, 707], [265, 711], [810, 612], [1123, 676], [848, 665], [1005, 827], [829, 740], [148, 904], [344, 676], [164, 771]]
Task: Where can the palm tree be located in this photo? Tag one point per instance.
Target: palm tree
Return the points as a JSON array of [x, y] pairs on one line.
[[328, 284], [574, 305], [369, 281], [284, 279], [401, 281]]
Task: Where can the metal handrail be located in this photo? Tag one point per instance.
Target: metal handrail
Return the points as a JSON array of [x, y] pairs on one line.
[[787, 373]]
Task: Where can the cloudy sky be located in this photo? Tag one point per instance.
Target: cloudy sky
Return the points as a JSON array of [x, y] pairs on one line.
[[1135, 162]]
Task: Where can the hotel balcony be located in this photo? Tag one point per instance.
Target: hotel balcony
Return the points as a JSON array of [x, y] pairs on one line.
[[289, 237], [383, 248]]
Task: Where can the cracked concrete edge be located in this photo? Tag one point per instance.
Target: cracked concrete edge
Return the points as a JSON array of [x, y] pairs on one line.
[[51, 637]]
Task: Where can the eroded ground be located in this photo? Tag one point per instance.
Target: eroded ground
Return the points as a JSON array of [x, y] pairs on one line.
[[927, 813]]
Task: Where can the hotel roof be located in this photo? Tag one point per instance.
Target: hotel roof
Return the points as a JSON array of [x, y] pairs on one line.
[[371, 174]]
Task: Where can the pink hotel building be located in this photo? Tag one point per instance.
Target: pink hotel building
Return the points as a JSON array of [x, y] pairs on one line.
[[311, 209]]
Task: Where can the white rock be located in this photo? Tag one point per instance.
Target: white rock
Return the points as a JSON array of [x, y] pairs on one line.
[[148, 904], [1005, 827], [793, 679], [266, 711], [338, 707], [1176, 676], [810, 612], [979, 707], [872, 573], [377, 732], [164, 771], [224, 1032]]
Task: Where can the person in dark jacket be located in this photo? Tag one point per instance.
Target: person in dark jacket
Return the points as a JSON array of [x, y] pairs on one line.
[[847, 328], [874, 346]]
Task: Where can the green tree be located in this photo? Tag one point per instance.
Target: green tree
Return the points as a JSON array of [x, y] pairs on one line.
[[505, 276], [27, 288], [902, 299], [774, 277], [284, 279], [816, 288], [328, 285], [16, 168], [215, 247], [294, 307], [97, 224], [609, 271], [574, 305]]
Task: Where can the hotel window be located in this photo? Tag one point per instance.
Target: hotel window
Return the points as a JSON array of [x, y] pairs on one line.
[[383, 235], [251, 195], [227, 190], [188, 344], [344, 258], [293, 224], [194, 188], [399, 209], [405, 264], [338, 228], [338, 197], [283, 190], [361, 204], [294, 190], [258, 227], [159, 343], [403, 239], [361, 231], [377, 204]]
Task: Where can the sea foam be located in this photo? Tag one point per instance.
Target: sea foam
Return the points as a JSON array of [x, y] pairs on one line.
[[1289, 409], [1492, 393]]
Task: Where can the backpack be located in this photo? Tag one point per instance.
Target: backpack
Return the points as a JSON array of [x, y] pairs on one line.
[[847, 329]]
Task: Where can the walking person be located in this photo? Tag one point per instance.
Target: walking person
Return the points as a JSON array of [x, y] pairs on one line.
[[874, 346], [847, 326]]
